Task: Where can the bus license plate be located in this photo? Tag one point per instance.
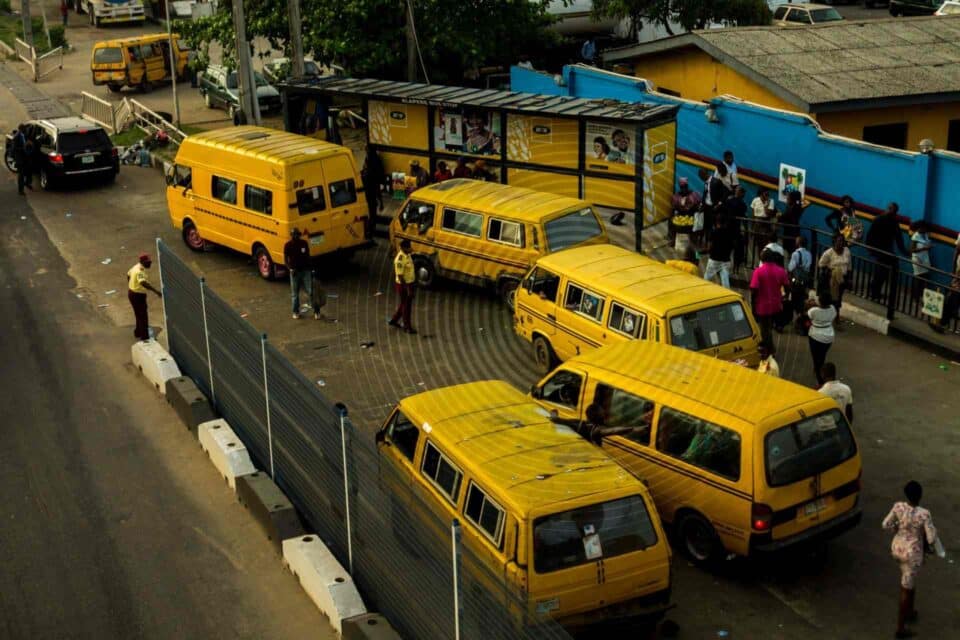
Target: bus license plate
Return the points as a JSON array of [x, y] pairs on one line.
[[316, 240], [86, 159], [814, 507]]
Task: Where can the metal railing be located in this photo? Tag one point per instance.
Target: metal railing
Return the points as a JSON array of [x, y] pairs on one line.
[[40, 66], [98, 110], [375, 520], [151, 121]]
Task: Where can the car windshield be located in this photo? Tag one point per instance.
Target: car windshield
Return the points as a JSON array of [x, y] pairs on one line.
[[83, 140], [572, 228], [310, 68], [604, 530], [109, 55], [808, 447], [949, 9], [232, 80], [710, 327], [825, 15]]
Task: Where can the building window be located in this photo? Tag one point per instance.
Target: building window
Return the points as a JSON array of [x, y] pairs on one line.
[[953, 136], [889, 135]]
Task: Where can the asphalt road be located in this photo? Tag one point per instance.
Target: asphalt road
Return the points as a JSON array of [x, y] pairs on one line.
[[112, 522]]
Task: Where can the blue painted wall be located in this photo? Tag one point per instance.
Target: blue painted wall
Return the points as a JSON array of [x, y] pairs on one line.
[[924, 186]]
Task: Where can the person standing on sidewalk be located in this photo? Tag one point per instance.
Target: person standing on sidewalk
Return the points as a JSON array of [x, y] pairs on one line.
[[138, 283], [821, 334], [766, 287], [64, 12], [405, 276], [920, 246], [721, 244], [296, 256], [913, 526], [884, 238]]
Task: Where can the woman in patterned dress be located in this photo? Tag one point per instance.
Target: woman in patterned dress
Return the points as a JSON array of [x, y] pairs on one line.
[[912, 524]]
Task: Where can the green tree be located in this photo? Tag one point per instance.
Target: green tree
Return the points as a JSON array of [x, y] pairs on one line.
[[690, 14], [367, 37]]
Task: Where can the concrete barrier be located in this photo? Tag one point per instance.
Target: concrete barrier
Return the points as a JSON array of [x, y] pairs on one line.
[[227, 453], [269, 507], [154, 363], [369, 626], [865, 318], [189, 403], [326, 582]]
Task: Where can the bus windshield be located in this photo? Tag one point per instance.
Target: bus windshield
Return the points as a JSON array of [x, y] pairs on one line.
[[586, 534]]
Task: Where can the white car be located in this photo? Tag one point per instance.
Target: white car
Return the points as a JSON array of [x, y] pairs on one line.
[[278, 69], [797, 14], [949, 8]]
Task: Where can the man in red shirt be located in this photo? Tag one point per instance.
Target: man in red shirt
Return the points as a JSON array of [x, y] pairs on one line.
[[766, 286]]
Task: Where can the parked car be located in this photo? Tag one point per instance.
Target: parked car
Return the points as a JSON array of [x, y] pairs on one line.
[[278, 69], [870, 4], [219, 88], [796, 14], [914, 7], [949, 8], [68, 148]]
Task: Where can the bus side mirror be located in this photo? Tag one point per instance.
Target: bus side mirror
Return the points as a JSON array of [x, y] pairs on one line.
[[381, 436], [535, 392]]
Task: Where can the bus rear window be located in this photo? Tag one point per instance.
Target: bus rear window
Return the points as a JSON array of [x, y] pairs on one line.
[[572, 228], [310, 200], [605, 530], [108, 55], [807, 447], [710, 327]]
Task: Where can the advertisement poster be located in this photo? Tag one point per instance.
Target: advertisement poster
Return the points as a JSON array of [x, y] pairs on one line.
[[470, 131], [610, 147], [791, 179], [932, 303]]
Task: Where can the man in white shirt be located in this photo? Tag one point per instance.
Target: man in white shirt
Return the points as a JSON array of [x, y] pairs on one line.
[[768, 365], [730, 180], [841, 393]]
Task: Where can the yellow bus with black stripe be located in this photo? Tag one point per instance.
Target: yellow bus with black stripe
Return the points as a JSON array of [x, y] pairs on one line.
[[247, 188], [489, 234], [738, 461]]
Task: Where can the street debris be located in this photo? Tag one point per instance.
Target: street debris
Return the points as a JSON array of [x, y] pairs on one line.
[[378, 293], [106, 261], [102, 306], [23, 217], [321, 383], [244, 315], [332, 295], [68, 215], [367, 344], [110, 292]]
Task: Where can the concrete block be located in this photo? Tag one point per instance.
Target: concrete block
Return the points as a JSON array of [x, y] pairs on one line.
[[154, 363], [326, 582], [269, 507], [369, 626], [189, 403], [227, 453], [865, 318]]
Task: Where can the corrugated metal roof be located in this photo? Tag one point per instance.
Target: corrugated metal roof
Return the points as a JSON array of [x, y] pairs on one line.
[[872, 60], [515, 101]]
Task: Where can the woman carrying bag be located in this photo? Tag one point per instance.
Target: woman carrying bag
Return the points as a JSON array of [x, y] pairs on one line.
[[835, 265]]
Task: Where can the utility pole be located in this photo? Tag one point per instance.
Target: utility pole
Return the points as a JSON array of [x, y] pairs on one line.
[[245, 84], [411, 45], [27, 25], [173, 66], [296, 39]]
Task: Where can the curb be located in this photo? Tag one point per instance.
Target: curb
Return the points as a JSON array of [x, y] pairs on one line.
[[865, 318], [323, 578], [154, 363]]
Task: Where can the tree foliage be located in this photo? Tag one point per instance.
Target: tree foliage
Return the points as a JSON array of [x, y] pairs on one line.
[[690, 14], [367, 37]]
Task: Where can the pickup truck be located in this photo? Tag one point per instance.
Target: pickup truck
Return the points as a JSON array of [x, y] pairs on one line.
[[111, 11]]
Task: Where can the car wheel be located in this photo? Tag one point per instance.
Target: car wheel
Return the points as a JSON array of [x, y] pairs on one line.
[[265, 266], [192, 237], [699, 539], [11, 162], [425, 271], [507, 290], [114, 87], [207, 101], [46, 183], [543, 356]]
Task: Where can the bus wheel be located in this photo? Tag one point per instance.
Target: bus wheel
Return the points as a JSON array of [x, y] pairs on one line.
[[543, 355], [699, 539], [265, 266], [507, 290], [192, 237], [426, 272]]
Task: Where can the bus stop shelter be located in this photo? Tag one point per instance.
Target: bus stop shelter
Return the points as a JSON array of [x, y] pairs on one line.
[[610, 153]]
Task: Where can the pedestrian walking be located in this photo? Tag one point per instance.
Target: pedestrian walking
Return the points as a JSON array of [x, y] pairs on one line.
[[835, 265], [766, 287], [374, 176], [685, 204], [779, 253], [801, 277], [763, 210], [720, 251], [844, 220], [22, 158], [920, 246], [714, 195], [884, 238], [64, 12], [588, 51], [820, 335], [138, 283], [951, 303], [840, 392], [296, 256], [405, 277], [914, 532], [768, 364]]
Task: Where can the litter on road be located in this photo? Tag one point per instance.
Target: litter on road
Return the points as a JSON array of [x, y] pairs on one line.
[[106, 261], [110, 293], [321, 383], [367, 344], [102, 306]]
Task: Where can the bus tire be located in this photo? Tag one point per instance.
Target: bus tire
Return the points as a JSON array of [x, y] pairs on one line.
[[543, 356], [192, 237], [425, 271], [507, 290], [265, 266], [698, 539]]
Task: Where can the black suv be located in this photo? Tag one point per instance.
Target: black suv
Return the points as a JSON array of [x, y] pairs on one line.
[[67, 148]]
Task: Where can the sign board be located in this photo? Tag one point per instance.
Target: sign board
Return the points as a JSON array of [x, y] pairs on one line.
[[791, 179], [932, 303]]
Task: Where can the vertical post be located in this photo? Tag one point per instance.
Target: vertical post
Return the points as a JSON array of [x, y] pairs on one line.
[[206, 336], [173, 66], [342, 409], [266, 399], [254, 99], [163, 300], [247, 93], [296, 39], [411, 44], [457, 604], [893, 283], [27, 24]]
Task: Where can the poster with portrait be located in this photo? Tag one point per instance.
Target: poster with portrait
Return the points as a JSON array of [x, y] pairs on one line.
[[610, 147], [467, 131], [791, 179]]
